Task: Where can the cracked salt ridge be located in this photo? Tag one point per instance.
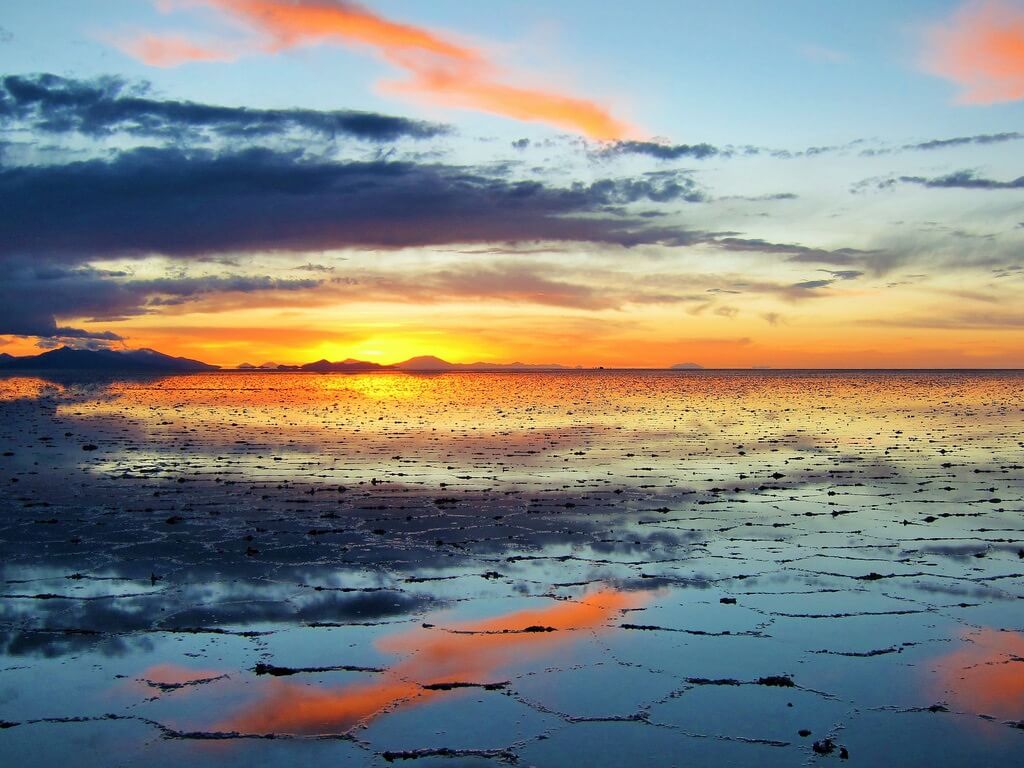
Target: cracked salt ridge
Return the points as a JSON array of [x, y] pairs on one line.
[[548, 529]]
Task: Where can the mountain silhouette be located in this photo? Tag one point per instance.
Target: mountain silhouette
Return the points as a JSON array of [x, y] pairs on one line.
[[432, 363], [344, 365], [104, 360], [421, 363]]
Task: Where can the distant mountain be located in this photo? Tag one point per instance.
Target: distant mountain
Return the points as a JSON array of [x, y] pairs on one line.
[[687, 367], [104, 360], [324, 366], [432, 363], [268, 366], [422, 363]]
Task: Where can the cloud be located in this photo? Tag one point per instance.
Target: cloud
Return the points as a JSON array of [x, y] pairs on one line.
[[981, 139], [509, 282], [663, 151], [105, 105], [179, 203], [797, 253], [943, 319], [981, 49], [965, 179], [985, 138], [171, 50], [519, 282], [810, 285], [34, 294], [438, 68]]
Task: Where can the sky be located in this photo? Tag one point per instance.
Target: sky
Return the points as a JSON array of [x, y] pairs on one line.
[[732, 184]]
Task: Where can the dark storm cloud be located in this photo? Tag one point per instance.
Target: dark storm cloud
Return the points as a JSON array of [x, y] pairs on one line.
[[965, 179], [32, 294], [182, 203], [106, 105]]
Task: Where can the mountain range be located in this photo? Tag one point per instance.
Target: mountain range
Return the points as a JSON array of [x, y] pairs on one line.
[[151, 361], [422, 363], [103, 360]]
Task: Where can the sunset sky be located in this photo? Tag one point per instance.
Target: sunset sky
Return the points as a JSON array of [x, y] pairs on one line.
[[788, 184]]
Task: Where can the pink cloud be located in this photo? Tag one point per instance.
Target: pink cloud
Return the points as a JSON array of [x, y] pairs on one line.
[[439, 69], [981, 49]]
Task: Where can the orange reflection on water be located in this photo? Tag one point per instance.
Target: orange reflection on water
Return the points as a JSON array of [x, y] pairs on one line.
[[986, 675], [27, 388], [470, 652], [175, 675]]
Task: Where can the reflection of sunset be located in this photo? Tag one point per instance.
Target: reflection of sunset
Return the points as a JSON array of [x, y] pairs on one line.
[[26, 388], [175, 675], [986, 675], [470, 652]]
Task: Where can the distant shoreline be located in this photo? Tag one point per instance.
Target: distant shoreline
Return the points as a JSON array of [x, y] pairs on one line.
[[22, 372]]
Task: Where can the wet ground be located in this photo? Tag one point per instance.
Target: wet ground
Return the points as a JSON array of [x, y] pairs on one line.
[[605, 569]]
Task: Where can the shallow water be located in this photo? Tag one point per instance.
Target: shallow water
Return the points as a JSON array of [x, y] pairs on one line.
[[605, 568]]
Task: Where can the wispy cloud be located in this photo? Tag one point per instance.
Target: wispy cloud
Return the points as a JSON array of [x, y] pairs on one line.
[[966, 179], [981, 49], [106, 105], [439, 68], [172, 50]]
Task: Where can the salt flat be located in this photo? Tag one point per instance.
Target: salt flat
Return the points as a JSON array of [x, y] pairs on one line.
[[607, 568]]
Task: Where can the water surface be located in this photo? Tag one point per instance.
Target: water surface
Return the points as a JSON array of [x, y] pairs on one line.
[[606, 568]]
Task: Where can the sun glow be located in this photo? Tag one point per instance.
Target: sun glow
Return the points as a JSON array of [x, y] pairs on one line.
[[387, 349]]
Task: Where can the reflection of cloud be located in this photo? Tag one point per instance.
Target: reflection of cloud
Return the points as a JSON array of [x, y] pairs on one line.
[[471, 652], [170, 677], [439, 68], [986, 675]]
